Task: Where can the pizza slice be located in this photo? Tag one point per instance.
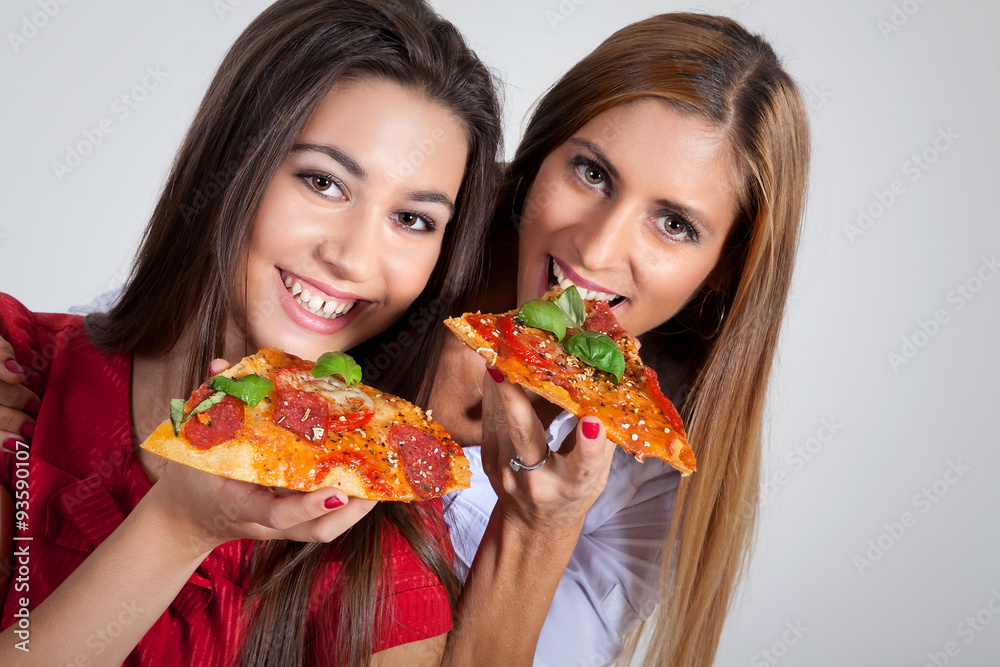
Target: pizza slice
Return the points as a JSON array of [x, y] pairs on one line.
[[277, 420], [574, 354]]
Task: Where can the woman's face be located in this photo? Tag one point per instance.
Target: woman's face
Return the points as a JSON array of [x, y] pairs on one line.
[[351, 225], [634, 208]]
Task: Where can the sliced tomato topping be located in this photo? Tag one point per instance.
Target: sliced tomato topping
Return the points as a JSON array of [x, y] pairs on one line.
[[347, 421], [517, 347], [217, 424], [665, 404], [601, 319]]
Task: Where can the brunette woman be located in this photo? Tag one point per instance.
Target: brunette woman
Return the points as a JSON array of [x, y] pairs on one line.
[[306, 131], [666, 173]]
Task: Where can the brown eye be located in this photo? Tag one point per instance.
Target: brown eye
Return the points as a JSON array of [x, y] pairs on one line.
[[413, 221], [320, 183], [591, 174], [675, 227]]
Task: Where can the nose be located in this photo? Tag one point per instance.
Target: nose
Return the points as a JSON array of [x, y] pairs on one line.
[[351, 251], [605, 235]]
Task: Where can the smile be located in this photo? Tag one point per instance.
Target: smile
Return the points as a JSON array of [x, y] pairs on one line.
[[565, 282], [317, 304]]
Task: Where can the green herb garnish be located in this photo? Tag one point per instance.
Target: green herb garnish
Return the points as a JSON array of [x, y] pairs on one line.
[[543, 315], [597, 350], [177, 409], [338, 363], [251, 389], [570, 303]]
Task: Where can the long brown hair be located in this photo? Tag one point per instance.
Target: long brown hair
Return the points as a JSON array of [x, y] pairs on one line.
[[268, 86], [713, 68]]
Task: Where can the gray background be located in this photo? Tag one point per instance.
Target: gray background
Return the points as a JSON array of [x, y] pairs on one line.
[[849, 553]]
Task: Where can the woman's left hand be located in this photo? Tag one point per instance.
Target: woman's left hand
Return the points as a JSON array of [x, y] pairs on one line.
[[557, 495]]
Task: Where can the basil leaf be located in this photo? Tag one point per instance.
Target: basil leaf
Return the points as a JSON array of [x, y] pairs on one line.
[[571, 303], [338, 363], [177, 414], [597, 350], [207, 403], [543, 315], [251, 389]]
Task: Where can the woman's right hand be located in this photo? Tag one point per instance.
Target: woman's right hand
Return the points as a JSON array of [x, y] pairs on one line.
[[212, 510], [556, 496], [18, 404]]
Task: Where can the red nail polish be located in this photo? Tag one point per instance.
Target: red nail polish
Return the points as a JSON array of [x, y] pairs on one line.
[[33, 407], [10, 445], [590, 430], [277, 495], [332, 503], [28, 430], [13, 366], [496, 375]]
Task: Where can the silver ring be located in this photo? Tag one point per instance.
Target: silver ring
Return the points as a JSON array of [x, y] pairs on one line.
[[516, 464]]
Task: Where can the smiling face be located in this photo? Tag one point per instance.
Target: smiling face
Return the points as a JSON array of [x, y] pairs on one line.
[[351, 225], [634, 208]]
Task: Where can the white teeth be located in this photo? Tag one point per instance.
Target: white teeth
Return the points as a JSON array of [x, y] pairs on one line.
[[585, 294], [315, 303]]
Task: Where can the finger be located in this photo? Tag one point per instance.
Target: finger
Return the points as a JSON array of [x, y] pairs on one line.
[[12, 443], [510, 422], [11, 371], [16, 422], [587, 461], [281, 511], [216, 366], [19, 397]]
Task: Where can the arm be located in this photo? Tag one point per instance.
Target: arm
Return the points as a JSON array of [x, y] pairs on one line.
[[532, 531], [141, 567]]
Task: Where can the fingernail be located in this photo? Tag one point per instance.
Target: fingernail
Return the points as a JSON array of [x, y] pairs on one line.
[[13, 366], [28, 430], [590, 430], [496, 375], [33, 406], [10, 445], [332, 503], [277, 495]]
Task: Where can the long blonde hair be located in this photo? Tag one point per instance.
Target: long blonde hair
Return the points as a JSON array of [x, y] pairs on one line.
[[711, 67]]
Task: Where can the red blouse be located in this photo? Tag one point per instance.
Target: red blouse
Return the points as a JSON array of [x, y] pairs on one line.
[[83, 479]]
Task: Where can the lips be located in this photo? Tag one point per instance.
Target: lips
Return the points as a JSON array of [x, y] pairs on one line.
[[566, 277], [319, 308]]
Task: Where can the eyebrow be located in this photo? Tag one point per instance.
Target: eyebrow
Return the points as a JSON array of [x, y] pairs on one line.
[[432, 197], [352, 166]]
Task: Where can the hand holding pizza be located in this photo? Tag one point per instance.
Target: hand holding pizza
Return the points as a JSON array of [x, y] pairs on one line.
[[216, 510], [557, 495]]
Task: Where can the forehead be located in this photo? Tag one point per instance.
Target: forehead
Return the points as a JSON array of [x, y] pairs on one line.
[[667, 152]]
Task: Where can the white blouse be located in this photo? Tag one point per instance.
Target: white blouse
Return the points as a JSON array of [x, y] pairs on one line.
[[613, 578]]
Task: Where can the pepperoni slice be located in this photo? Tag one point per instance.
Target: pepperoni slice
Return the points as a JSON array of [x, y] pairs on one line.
[[302, 412], [425, 460], [668, 408], [601, 319], [217, 424]]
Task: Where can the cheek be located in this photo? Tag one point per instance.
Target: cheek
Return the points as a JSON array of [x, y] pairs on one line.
[[408, 272]]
